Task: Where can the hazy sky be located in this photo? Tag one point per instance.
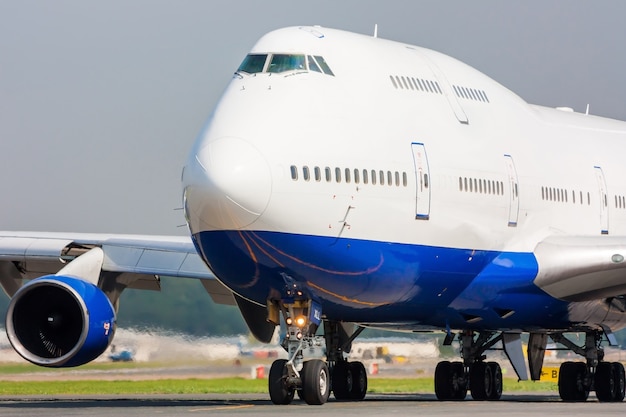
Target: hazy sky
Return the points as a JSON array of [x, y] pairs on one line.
[[101, 100]]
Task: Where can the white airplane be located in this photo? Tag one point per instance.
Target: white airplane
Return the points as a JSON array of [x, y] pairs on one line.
[[354, 182]]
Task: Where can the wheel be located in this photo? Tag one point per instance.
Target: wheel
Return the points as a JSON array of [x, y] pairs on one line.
[[459, 381], [315, 382], [450, 382], [280, 393], [572, 386], [620, 384], [481, 381], [604, 381], [342, 380], [443, 375], [359, 381], [496, 390]]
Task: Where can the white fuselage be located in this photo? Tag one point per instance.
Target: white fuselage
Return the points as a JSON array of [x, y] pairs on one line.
[[472, 166]]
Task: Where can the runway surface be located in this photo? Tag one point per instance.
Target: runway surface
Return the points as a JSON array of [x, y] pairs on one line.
[[259, 405]]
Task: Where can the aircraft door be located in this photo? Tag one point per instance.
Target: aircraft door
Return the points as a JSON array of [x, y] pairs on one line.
[[513, 190], [422, 181], [604, 201]]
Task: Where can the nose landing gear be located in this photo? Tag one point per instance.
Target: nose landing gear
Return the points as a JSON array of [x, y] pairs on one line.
[[313, 378]]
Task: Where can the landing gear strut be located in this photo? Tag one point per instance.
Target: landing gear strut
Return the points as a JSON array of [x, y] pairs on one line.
[[577, 379]]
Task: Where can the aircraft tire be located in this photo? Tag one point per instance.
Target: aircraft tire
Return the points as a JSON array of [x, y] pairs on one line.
[[443, 387], [604, 381], [620, 381], [571, 382], [496, 390], [315, 382], [447, 376], [342, 380], [459, 391], [481, 381], [359, 381], [280, 393]]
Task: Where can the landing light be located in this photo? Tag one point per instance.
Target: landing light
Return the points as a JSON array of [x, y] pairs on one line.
[[300, 321]]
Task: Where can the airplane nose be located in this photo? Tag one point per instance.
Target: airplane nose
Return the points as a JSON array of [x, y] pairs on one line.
[[230, 186]]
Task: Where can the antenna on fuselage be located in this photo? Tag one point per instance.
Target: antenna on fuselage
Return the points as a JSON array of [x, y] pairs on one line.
[[587, 111], [375, 30]]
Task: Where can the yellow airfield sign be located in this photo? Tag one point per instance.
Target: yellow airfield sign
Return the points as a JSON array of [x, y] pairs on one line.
[[549, 374]]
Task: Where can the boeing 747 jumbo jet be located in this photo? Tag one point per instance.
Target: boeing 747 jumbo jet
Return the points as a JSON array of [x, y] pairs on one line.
[[345, 181]]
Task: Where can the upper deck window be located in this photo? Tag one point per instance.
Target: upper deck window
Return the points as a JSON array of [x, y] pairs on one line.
[[285, 62], [253, 63]]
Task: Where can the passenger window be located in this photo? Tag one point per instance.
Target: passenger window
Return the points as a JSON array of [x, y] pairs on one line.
[[253, 63], [294, 172], [373, 177], [338, 174], [284, 62], [365, 181], [381, 178], [404, 179], [305, 173], [397, 179], [347, 174], [389, 178], [318, 174], [328, 174], [356, 176]]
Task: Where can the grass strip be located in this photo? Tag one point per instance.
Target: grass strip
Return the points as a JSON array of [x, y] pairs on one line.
[[222, 386]]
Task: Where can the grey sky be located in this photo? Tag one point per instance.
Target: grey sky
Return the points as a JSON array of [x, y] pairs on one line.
[[101, 100]]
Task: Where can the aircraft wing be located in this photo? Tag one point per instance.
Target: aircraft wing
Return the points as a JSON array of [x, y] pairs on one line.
[[582, 268], [136, 261]]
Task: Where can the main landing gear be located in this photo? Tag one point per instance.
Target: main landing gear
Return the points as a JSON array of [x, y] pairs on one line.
[[577, 379], [483, 379], [313, 379]]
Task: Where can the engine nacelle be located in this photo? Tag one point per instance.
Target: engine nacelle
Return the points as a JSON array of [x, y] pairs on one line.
[[60, 321]]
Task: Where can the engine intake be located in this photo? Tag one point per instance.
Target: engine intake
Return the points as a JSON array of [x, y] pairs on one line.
[[60, 321]]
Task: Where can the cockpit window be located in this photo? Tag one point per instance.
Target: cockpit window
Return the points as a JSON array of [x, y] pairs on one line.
[[253, 63], [312, 64], [320, 60], [284, 62], [276, 63]]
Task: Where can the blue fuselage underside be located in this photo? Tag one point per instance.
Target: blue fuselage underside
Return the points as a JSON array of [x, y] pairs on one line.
[[404, 286]]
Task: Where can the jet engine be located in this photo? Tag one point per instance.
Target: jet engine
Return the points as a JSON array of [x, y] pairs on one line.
[[60, 321]]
